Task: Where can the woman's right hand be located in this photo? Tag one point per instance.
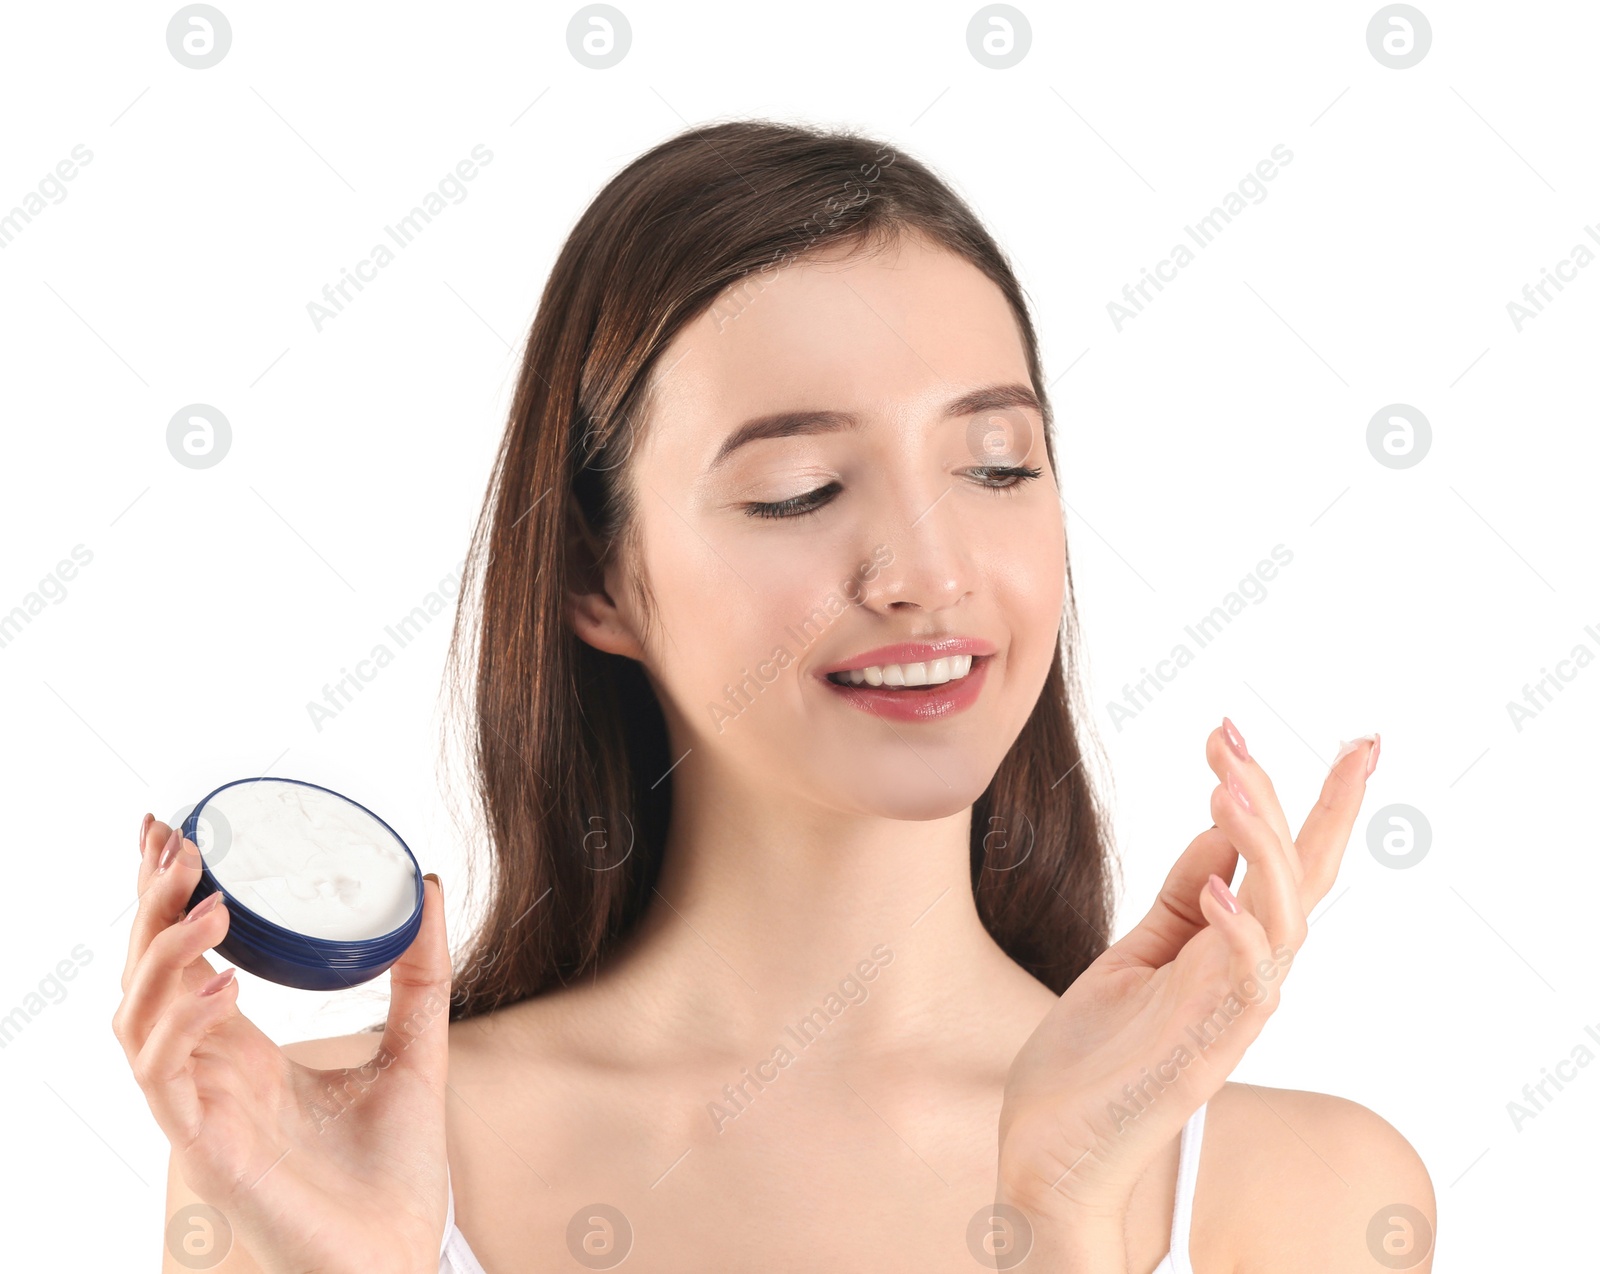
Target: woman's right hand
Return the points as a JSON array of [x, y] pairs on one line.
[[1152, 1028], [327, 1170]]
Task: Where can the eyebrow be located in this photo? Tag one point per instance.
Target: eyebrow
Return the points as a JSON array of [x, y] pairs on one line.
[[788, 424]]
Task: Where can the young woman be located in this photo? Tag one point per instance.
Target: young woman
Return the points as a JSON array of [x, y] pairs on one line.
[[796, 949]]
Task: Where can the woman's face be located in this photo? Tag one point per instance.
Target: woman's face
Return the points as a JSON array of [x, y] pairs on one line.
[[918, 531]]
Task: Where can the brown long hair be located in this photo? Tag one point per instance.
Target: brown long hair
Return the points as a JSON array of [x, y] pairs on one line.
[[566, 744]]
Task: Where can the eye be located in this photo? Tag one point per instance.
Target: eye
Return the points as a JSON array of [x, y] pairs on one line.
[[796, 506], [994, 477], [1018, 474]]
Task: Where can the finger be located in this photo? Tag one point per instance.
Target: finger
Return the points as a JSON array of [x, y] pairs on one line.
[[168, 882], [164, 1067], [1274, 894], [153, 836], [1226, 751], [416, 1032], [1175, 916], [162, 973], [1254, 971], [1326, 831]]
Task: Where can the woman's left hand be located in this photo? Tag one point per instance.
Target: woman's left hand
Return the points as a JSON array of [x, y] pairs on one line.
[[1152, 1029]]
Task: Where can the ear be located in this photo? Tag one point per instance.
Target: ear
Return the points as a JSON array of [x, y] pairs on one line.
[[591, 611]]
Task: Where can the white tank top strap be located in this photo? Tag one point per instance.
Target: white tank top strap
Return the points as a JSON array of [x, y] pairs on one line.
[[1177, 1261], [449, 1217], [455, 1257]]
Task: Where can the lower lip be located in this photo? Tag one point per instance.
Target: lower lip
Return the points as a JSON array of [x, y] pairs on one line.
[[930, 703]]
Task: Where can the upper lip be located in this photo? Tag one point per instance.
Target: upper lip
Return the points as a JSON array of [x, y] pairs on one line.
[[912, 652]]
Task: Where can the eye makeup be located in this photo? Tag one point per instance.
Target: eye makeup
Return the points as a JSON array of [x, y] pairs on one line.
[[1003, 478]]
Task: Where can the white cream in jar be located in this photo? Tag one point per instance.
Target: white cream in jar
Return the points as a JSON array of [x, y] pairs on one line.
[[309, 860]]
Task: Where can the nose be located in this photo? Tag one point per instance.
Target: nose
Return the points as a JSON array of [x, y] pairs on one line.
[[921, 556]]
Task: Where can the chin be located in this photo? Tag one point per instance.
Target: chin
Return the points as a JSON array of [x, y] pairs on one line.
[[914, 797]]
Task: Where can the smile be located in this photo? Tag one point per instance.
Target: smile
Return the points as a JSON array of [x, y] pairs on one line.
[[913, 692]]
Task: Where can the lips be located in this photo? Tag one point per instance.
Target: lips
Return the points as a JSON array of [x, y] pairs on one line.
[[915, 703]]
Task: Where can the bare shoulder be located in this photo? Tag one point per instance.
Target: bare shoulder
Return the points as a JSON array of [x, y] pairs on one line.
[[528, 1033], [1310, 1181], [335, 1050]]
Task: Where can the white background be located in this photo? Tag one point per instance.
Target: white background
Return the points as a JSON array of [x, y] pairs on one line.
[[1229, 417]]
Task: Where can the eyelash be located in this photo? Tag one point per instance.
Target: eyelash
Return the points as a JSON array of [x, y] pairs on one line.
[[799, 506]]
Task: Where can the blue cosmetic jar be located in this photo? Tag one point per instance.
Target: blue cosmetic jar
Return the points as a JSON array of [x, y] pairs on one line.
[[321, 893]]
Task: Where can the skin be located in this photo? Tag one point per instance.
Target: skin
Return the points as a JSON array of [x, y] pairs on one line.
[[958, 1078]]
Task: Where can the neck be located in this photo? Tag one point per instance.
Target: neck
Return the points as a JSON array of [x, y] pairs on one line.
[[770, 912]]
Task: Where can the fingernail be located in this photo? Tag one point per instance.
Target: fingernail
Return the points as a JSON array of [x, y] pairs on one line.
[[209, 904], [213, 985], [1236, 790], [434, 876], [1230, 732], [1223, 894], [1372, 759], [1345, 749], [170, 850], [144, 831]]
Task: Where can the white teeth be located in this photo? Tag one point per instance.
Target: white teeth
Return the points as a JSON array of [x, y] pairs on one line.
[[933, 673]]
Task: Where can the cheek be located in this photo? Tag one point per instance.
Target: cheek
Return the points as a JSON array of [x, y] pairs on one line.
[[733, 613], [758, 635], [1026, 570]]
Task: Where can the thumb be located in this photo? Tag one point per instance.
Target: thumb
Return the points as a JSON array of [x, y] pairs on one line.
[[417, 1032]]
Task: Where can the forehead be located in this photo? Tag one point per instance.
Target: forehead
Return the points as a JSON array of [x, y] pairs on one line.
[[894, 332]]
